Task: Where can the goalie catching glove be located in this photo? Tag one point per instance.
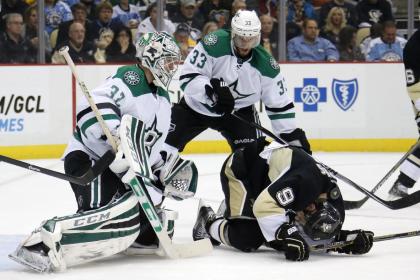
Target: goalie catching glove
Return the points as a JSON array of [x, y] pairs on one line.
[[175, 177], [220, 94]]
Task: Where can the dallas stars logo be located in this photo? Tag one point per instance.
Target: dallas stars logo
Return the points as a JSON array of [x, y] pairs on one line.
[[233, 87], [152, 135], [131, 78]]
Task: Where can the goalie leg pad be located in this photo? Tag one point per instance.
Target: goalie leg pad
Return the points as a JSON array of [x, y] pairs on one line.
[[81, 238]]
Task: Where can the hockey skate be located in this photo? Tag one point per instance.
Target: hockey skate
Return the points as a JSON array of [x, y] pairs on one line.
[[149, 245], [205, 217], [397, 191], [222, 209]]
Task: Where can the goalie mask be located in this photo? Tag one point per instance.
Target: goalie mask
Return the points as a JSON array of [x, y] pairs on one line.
[[324, 223], [159, 53], [246, 29]]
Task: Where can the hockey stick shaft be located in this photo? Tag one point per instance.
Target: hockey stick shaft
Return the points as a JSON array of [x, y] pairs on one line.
[[404, 202], [139, 178], [340, 244], [358, 203], [64, 51], [84, 179]]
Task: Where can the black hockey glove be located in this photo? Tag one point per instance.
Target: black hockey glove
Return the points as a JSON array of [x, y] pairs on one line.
[[297, 138], [294, 246], [220, 93], [362, 241]]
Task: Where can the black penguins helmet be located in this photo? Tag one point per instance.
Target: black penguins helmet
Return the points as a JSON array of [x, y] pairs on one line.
[[324, 223]]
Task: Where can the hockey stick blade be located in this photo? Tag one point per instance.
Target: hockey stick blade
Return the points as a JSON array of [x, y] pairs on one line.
[[82, 180], [404, 202], [340, 244], [348, 205]]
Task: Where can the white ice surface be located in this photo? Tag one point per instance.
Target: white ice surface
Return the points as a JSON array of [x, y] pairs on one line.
[[27, 198]]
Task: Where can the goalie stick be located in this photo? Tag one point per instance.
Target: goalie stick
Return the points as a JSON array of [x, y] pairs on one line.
[[341, 244], [348, 204], [82, 180], [172, 250], [404, 202], [139, 179]]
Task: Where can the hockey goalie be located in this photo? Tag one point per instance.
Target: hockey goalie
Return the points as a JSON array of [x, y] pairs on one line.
[[136, 108]]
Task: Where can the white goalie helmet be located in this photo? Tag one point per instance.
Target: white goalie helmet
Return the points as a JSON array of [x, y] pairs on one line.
[[158, 52], [246, 29]]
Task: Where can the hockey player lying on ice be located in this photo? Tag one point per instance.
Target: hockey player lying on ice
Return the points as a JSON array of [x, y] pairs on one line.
[[280, 198]]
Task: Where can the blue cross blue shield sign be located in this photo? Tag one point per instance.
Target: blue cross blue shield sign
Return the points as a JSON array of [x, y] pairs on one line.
[[345, 92]]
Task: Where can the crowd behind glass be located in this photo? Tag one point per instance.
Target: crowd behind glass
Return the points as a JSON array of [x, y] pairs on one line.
[[105, 31]]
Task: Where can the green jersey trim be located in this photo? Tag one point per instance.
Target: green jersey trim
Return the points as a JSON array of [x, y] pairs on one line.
[[264, 62], [134, 78], [217, 43], [281, 116], [93, 120]]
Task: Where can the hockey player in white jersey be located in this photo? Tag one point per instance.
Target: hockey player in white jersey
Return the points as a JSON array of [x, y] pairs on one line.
[[228, 71], [281, 198], [109, 218], [139, 90]]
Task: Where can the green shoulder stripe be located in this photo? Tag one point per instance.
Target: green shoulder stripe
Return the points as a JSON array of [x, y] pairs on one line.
[[163, 93], [133, 77], [264, 62], [217, 43]]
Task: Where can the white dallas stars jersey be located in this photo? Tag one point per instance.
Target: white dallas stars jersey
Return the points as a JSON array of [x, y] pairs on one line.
[[127, 92], [250, 81]]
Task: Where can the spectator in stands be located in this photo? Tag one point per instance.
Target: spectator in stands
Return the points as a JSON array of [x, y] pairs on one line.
[[299, 10], [310, 47], [267, 7], [182, 36], [348, 8], [149, 24], [105, 38], [374, 11], [375, 32], [236, 6], [335, 21], [13, 46], [209, 8], [347, 45], [104, 13], [9, 7], [292, 28], [269, 38], [79, 12], [209, 27], [90, 8], [221, 18], [80, 51], [70, 3], [121, 49], [388, 47], [30, 32], [128, 14], [56, 12], [188, 13]]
